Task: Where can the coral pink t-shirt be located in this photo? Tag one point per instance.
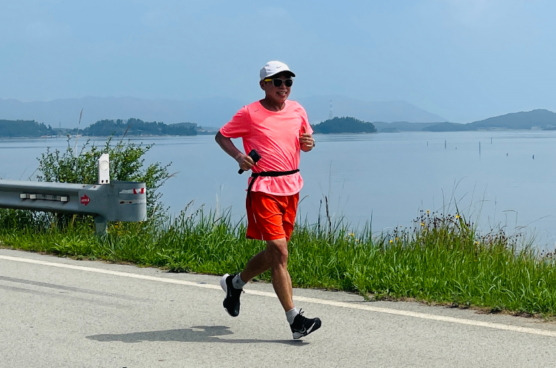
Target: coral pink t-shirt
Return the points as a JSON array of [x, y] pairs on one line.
[[275, 136]]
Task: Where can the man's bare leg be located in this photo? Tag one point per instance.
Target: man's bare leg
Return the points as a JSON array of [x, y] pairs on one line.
[[275, 258]]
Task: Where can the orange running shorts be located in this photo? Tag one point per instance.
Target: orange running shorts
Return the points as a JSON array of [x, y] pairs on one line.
[[270, 217]]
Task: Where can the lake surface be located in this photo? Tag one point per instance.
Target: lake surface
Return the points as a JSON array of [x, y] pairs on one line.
[[495, 179]]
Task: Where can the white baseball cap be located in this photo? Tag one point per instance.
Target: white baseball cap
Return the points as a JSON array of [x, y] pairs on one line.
[[274, 67]]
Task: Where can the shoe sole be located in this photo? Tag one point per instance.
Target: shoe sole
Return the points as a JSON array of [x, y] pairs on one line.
[[223, 283]]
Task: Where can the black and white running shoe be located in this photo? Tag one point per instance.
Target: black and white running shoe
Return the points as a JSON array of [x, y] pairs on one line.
[[303, 326], [231, 302]]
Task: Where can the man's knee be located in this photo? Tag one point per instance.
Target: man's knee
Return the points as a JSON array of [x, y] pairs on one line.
[[278, 249]]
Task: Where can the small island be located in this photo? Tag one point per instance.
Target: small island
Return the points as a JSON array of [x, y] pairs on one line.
[[344, 125]]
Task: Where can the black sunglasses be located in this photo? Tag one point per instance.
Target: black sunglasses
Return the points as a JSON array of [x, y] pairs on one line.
[[278, 82]]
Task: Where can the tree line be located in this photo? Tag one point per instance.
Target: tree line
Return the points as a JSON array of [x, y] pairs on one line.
[[102, 128], [121, 127], [24, 128]]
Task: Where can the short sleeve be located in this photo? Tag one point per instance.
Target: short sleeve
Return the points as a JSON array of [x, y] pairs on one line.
[[239, 125], [305, 126]]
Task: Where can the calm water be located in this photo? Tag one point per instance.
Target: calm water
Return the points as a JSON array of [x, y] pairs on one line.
[[496, 179]]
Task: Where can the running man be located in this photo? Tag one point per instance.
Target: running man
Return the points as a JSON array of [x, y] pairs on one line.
[[277, 129]]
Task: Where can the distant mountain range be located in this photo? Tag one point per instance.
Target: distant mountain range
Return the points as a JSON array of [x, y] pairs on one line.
[[208, 112], [65, 113], [536, 119], [326, 107]]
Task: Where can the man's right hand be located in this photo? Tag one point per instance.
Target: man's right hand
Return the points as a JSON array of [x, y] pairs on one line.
[[244, 161]]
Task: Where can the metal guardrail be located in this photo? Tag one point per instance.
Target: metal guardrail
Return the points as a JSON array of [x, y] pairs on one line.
[[116, 201]]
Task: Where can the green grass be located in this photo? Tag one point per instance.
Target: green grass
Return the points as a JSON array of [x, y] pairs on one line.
[[440, 260]]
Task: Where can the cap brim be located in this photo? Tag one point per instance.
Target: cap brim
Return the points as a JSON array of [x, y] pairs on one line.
[[291, 74]]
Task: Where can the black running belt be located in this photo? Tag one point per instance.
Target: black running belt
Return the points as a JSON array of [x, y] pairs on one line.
[[268, 173]]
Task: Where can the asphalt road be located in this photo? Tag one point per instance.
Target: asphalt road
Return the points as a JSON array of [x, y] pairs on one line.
[[57, 312]]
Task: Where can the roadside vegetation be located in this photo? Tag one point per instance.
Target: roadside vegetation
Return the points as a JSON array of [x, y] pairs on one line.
[[441, 259]]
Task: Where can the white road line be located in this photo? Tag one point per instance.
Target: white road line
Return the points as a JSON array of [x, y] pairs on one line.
[[498, 326]]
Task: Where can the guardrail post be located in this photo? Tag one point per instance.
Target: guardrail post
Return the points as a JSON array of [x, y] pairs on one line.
[[101, 225]]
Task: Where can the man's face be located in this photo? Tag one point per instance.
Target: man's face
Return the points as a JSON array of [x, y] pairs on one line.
[[277, 94]]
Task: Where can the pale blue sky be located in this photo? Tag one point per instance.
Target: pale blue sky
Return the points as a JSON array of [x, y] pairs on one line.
[[461, 59]]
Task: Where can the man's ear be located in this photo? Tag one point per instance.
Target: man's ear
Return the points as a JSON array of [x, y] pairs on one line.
[[261, 84]]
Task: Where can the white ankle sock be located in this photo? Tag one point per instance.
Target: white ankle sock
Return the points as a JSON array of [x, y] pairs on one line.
[[237, 282], [290, 315]]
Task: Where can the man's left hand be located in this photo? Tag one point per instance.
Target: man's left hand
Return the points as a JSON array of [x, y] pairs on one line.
[[307, 142]]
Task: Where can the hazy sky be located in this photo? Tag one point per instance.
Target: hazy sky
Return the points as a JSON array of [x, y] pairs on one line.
[[464, 60]]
